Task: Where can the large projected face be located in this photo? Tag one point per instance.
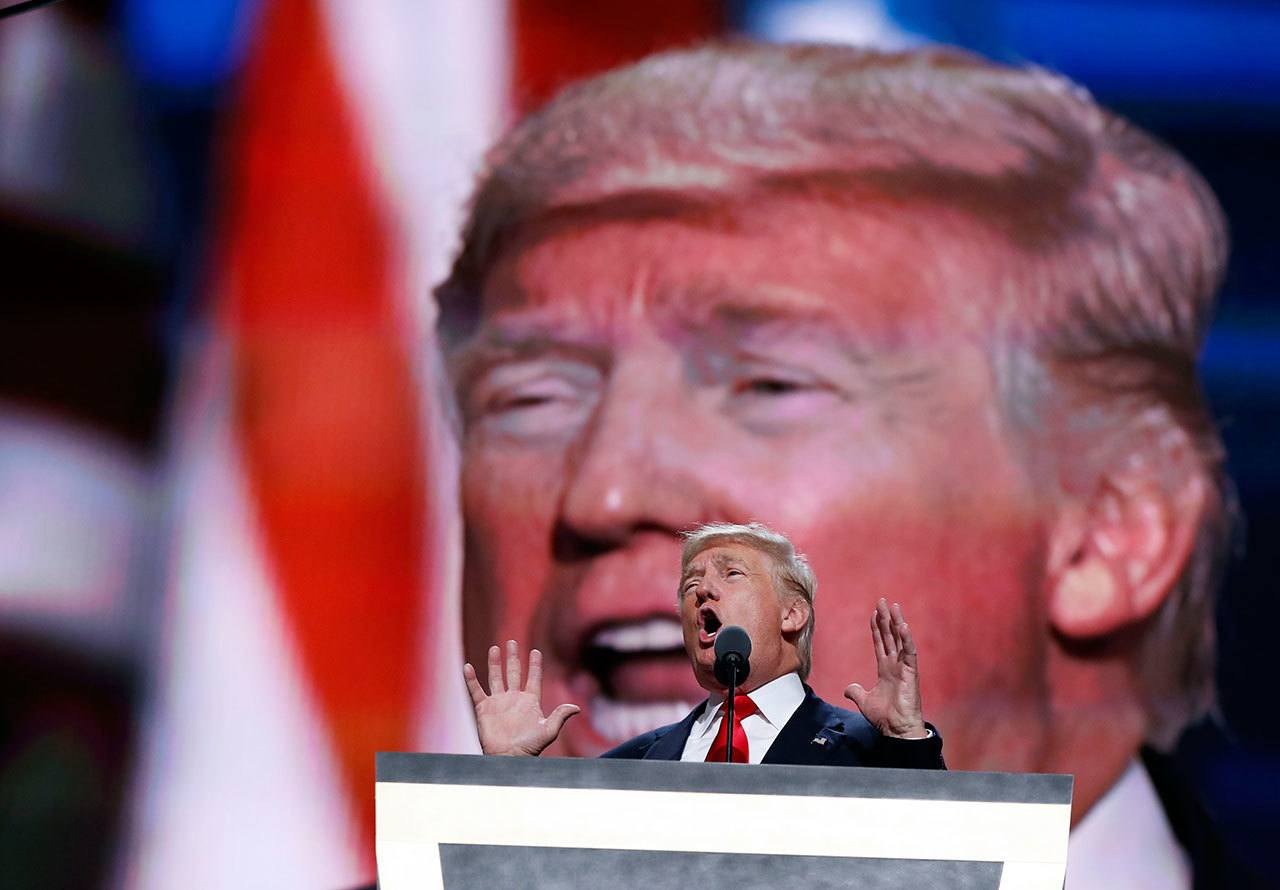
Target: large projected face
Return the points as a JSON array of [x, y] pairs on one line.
[[800, 365]]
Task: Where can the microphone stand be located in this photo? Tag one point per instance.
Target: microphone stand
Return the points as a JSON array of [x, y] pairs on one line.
[[728, 709]]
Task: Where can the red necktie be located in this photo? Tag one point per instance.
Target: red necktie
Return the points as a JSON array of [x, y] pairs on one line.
[[743, 707]]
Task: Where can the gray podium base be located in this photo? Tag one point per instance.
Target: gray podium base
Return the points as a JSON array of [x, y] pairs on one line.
[[476, 867]]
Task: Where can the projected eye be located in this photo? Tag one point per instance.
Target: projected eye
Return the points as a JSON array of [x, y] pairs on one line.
[[776, 397], [770, 386], [539, 394], [533, 399]]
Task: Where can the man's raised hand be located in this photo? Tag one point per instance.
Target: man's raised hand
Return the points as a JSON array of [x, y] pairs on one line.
[[893, 705], [509, 719]]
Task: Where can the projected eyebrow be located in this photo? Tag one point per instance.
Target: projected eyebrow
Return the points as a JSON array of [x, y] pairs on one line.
[[746, 323], [523, 338], [812, 346], [782, 331], [724, 309], [703, 315]]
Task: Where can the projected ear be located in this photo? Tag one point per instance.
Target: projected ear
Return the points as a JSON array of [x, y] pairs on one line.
[[1114, 558]]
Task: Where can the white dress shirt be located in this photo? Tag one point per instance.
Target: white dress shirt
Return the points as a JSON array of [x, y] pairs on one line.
[[775, 702], [1124, 842]]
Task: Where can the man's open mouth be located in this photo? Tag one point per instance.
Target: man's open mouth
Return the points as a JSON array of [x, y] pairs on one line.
[[708, 624], [641, 675]]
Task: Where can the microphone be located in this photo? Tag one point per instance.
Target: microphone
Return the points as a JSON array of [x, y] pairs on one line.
[[733, 654]]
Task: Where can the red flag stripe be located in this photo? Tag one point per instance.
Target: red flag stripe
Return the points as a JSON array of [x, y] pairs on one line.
[[325, 402], [558, 41]]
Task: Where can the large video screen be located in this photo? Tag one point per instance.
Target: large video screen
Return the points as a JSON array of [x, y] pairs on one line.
[[356, 339]]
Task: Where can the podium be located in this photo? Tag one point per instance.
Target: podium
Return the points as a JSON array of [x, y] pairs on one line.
[[463, 822]]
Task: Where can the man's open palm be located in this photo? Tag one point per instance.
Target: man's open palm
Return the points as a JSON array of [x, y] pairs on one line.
[[509, 719], [893, 705]]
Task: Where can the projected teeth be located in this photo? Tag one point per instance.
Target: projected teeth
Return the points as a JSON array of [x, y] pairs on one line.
[[653, 635], [619, 721]]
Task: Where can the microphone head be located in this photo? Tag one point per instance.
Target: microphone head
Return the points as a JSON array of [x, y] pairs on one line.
[[733, 650]]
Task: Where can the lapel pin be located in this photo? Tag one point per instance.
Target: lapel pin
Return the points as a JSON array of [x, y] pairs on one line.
[[819, 740]]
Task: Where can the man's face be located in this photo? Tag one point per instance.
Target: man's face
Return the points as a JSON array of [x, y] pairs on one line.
[[805, 368], [732, 584]]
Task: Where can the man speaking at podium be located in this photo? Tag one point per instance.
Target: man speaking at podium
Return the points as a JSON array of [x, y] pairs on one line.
[[748, 577]]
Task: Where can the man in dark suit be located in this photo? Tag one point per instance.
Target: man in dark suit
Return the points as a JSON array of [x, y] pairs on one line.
[[750, 576]]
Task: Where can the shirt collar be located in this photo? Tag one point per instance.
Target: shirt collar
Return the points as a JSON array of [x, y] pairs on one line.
[[1125, 843], [776, 701]]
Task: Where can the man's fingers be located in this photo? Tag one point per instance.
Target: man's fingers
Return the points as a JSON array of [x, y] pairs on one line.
[[533, 684], [902, 633], [556, 719], [856, 694], [908, 644], [896, 611], [495, 671], [877, 638], [886, 629], [513, 666], [895, 626], [473, 684]]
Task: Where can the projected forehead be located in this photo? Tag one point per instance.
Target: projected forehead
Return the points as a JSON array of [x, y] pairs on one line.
[[867, 283]]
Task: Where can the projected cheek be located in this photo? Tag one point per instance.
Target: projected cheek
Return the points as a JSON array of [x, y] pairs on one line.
[[532, 401]]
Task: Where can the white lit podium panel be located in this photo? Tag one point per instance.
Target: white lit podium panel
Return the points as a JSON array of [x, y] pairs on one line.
[[457, 822]]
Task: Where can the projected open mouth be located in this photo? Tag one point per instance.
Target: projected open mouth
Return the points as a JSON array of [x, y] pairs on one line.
[[641, 673]]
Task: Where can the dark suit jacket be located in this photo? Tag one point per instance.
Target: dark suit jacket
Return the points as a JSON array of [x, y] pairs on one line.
[[818, 734]]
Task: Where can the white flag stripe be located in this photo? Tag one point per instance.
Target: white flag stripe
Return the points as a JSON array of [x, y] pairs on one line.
[[428, 84], [241, 787]]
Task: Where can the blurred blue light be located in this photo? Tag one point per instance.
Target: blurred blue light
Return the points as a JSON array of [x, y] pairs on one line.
[[191, 44], [1243, 356], [1187, 51]]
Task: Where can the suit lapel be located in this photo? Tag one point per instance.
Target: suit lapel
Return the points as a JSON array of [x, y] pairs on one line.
[[814, 733], [670, 746]]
